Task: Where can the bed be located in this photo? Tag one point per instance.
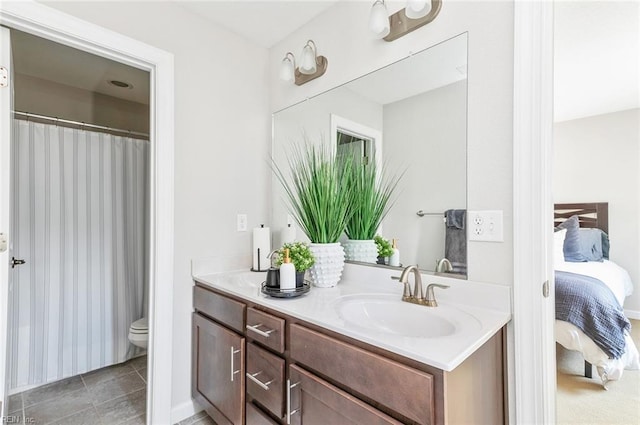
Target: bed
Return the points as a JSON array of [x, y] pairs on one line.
[[610, 355]]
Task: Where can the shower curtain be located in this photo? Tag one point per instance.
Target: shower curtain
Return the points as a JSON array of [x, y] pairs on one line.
[[79, 220]]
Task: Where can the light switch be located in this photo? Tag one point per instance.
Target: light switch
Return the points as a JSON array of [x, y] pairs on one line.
[[3, 242], [485, 226], [241, 223]]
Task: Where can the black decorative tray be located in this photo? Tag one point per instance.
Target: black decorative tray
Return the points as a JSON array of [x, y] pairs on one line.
[[286, 293]]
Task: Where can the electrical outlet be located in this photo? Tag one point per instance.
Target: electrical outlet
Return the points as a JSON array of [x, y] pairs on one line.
[[486, 226], [241, 223]]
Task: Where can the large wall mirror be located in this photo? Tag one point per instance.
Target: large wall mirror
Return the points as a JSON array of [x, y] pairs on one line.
[[410, 115]]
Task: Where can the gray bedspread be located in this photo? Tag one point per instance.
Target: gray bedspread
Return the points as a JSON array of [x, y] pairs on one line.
[[589, 304]]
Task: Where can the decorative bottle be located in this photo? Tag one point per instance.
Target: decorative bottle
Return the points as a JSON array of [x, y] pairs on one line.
[[394, 259], [287, 272]]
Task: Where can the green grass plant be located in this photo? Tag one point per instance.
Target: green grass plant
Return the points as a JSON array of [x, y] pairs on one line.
[[372, 199], [316, 190]]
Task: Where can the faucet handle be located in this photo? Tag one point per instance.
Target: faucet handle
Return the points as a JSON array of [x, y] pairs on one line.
[[407, 291], [430, 299]]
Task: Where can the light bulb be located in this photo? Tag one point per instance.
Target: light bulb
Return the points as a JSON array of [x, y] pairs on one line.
[[287, 68], [308, 60], [417, 9], [379, 19]]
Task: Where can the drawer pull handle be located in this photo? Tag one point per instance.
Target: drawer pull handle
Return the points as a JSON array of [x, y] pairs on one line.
[[233, 353], [289, 411], [263, 385], [255, 329]]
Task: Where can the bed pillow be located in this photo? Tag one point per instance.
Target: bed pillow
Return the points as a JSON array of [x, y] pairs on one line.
[[591, 244], [572, 248], [604, 241], [605, 245], [558, 246]]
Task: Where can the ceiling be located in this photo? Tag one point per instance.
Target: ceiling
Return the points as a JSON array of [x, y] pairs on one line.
[[40, 58], [263, 22], [597, 56]]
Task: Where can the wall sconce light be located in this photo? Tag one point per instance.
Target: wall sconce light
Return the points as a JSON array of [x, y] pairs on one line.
[[311, 66], [416, 14]]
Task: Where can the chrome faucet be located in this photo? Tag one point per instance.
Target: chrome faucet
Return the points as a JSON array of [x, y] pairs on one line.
[[443, 266], [416, 297]]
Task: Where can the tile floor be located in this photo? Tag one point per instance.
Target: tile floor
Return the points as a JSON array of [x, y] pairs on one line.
[[110, 396], [198, 419]]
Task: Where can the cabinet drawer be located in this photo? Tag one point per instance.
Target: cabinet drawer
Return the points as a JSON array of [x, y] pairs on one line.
[[398, 387], [265, 379], [266, 329], [316, 402], [219, 307], [256, 417]]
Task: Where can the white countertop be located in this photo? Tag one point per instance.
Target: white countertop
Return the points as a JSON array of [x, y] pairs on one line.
[[488, 304]]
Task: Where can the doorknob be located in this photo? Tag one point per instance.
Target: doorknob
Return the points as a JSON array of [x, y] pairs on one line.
[[15, 262]]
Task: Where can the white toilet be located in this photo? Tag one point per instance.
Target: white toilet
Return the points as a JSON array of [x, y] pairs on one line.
[[139, 332]]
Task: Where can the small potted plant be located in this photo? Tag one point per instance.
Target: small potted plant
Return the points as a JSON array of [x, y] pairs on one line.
[[301, 257], [384, 249]]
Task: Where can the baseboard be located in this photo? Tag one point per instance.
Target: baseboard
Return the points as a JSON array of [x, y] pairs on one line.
[[632, 314], [184, 411]]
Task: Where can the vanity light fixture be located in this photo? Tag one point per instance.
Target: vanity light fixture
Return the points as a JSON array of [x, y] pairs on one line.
[[379, 19], [311, 65], [416, 14]]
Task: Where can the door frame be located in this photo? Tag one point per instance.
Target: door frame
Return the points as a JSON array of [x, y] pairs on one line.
[[60, 27], [533, 375], [347, 126], [5, 194]]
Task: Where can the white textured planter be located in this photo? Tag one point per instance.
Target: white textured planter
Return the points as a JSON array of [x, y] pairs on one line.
[[365, 251], [327, 270]]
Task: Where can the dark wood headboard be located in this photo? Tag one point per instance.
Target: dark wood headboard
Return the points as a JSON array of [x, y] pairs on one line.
[[592, 214]]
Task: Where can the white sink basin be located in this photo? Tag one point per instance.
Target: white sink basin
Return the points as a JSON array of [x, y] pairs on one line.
[[388, 314]]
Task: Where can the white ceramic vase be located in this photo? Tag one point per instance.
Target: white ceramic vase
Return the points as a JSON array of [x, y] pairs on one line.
[[327, 269], [365, 251]]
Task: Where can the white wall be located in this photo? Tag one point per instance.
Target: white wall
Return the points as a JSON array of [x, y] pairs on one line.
[[597, 159], [221, 142], [352, 52], [429, 133], [43, 97]]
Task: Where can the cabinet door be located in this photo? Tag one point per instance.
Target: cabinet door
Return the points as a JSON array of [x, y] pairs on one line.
[[312, 401], [218, 370]]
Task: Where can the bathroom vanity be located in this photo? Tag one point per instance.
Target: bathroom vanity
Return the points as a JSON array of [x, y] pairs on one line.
[[311, 360]]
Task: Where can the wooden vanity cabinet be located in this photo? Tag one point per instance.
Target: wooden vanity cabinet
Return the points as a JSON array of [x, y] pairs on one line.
[[284, 370]]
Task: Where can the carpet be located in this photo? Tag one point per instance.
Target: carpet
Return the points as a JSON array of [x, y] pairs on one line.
[[584, 401]]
